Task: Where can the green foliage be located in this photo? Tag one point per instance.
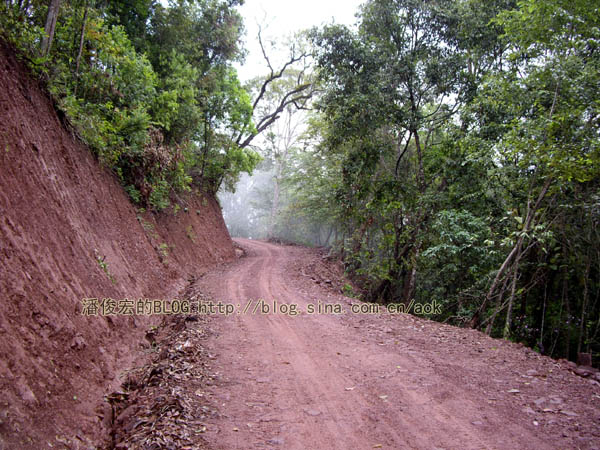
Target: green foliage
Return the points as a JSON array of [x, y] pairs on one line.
[[133, 193], [159, 197], [26, 36], [151, 90], [456, 151], [348, 291], [176, 108], [104, 266], [457, 261], [453, 153]]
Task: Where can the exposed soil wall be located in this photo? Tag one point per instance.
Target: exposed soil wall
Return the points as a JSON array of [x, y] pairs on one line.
[[68, 231]]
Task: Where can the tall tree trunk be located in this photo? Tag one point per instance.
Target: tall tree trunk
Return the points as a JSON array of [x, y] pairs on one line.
[[275, 204], [420, 170], [500, 307], [529, 223], [289, 138], [565, 297], [511, 300], [541, 341], [205, 149], [358, 240], [50, 26], [81, 40], [597, 327], [410, 280], [582, 327], [329, 236]]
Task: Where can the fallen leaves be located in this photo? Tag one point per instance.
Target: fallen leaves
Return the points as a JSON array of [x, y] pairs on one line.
[[160, 406]]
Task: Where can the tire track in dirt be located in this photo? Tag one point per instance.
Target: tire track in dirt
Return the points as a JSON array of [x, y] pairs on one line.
[[259, 282], [317, 381]]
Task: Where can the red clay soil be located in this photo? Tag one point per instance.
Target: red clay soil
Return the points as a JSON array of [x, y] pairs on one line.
[[361, 381], [68, 231]]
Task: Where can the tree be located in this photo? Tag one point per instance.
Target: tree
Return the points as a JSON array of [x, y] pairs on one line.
[[270, 100], [51, 18], [282, 118], [548, 113], [387, 90]]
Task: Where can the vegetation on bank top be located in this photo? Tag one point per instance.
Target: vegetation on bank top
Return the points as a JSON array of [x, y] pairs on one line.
[[149, 88]]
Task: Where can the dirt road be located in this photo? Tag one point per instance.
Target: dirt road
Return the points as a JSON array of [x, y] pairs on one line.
[[358, 381]]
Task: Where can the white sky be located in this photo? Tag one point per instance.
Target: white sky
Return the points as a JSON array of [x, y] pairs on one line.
[[280, 18]]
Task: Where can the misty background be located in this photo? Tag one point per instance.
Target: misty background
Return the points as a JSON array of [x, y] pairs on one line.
[[271, 203]]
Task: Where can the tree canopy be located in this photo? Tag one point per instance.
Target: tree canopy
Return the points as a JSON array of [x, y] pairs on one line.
[[150, 87]]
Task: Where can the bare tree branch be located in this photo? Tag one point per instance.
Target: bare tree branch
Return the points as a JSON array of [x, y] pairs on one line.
[[298, 96], [268, 119], [262, 48]]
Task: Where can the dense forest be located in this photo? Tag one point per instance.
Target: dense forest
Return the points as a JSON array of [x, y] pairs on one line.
[[445, 150], [461, 141], [451, 154], [149, 86]]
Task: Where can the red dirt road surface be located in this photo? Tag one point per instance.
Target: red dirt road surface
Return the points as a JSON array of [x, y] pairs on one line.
[[361, 381]]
